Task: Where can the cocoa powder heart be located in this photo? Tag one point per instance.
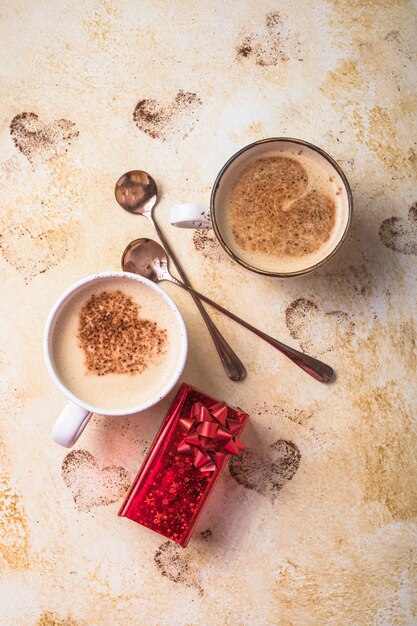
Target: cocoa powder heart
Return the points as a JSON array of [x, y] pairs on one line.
[[32, 254], [305, 319], [89, 485], [400, 234], [160, 120], [266, 472], [178, 565], [113, 336], [272, 44], [37, 140]]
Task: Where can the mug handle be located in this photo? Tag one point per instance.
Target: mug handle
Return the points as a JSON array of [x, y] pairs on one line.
[[70, 424], [190, 215]]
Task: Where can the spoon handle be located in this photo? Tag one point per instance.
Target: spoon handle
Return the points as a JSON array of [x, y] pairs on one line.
[[317, 369], [232, 364]]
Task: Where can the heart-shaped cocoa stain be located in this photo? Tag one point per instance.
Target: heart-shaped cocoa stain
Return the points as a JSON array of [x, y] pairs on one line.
[[178, 565], [266, 472], [400, 234], [271, 45], [91, 486], [176, 118], [32, 254], [316, 331], [39, 141]]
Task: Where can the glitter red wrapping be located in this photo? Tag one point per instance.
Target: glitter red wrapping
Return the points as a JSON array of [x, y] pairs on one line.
[[169, 493]]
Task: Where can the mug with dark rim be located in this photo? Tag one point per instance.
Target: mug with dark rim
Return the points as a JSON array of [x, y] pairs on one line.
[[193, 215]]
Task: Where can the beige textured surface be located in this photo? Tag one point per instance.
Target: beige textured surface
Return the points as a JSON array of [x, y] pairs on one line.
[[316, 523]]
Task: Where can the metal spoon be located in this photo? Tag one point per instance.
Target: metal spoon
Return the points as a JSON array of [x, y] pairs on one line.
[[136, 192], [149, 259]]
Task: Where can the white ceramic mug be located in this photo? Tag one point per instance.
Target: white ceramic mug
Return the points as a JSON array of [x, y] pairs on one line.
[[76, 414], [192, 215]]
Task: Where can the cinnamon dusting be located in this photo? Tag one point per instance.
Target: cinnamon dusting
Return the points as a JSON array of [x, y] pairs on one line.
[[115, 340]]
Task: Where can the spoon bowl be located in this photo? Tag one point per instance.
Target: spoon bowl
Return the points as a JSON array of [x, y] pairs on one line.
[[143, 257], [136, 192]]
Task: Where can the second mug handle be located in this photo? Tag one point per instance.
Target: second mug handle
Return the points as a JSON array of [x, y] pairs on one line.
[[70, 424], [190, 215]]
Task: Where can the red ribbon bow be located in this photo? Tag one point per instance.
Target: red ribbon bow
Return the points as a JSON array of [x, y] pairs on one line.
[[211, 434]]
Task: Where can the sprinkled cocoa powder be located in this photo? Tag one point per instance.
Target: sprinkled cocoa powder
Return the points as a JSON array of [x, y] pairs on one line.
[[162, 120], [271, 44], [271, 211], [400, 233], [150, 118], [39, 141], [115, 340]]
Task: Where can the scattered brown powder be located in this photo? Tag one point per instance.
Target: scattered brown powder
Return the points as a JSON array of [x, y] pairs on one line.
[[178, 565], [207, 245], [245, 49], [269, 213], [400, 234], [33, 253], [272, 44], [39, 141], [206, 534], [337, 327], [160, 121], [115, 340], [90, 485], [267, 472], [151, 118]]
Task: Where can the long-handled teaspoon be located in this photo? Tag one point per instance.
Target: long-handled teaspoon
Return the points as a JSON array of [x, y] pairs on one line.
[[136, 192], [149, 259]]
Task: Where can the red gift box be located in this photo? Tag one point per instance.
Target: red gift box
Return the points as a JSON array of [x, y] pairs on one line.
[[186, 459]]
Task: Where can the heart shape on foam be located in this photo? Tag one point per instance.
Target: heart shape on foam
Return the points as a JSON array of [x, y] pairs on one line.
[[317, 331], [113, 336], [266, 472], [400, 234], [32, 254], [37, 140], [89, 485]]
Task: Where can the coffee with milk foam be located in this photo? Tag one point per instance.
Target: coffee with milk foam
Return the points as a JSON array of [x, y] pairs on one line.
[[284, 212], [116, 344]]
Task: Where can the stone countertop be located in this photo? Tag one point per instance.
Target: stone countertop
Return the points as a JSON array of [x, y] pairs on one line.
[[315, 523]]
